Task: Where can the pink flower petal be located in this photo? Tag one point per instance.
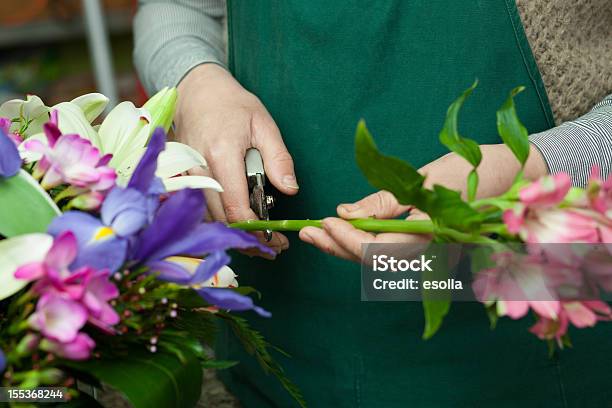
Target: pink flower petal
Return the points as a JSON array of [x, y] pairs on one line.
[[62, 252], [58, 318], [31, 271]]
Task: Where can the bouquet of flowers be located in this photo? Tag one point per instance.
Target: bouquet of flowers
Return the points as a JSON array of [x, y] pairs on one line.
[[108, 273], [542, 246]]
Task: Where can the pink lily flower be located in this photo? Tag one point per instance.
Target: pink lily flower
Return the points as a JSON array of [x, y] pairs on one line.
[[58, 318], [98, 292], [516, 284], [538, 219], [70, 159], [581, 314], [90, 288], [53, 272], [78, 349], [599, 193]]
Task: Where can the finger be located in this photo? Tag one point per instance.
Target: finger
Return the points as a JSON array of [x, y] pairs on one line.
[[347, 236], [382, 204], [277, 161], [227, 166], [323, 241], [214, 206], [278, 241]]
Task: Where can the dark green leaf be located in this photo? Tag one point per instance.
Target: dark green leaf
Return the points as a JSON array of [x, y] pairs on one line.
[[219, 364], [149, 380], [450, 137], [436, 303], [511, 130], [386, 172], [492, 315]]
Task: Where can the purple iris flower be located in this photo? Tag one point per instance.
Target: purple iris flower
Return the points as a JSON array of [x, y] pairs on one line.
[[10, 162], [137, 229], [177, 229], [104, 242], [2, 361]]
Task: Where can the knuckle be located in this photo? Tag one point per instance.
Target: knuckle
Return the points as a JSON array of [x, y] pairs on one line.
[[233, 212]]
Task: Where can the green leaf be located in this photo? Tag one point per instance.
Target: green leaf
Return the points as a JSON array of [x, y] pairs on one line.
[[436, 303], [219, 364], [435, 311], [448, 208], [24, 206], [511, 130], [149, 380], [472, 183], [386, 172], [449, 135], [406, 184]]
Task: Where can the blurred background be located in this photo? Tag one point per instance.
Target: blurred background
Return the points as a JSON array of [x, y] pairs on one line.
[[60, 49]]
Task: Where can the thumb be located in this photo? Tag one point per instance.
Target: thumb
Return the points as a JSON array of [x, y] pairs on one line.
[[277, 161], [382, 204]]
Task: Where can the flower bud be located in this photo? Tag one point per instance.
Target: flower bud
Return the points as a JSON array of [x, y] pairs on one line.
[[161, 107]]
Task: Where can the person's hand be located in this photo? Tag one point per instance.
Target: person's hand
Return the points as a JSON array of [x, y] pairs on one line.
[[341, 239], [496, 173], [218, 117]]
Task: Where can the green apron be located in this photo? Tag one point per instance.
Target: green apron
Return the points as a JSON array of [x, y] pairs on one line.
[[319, 66]]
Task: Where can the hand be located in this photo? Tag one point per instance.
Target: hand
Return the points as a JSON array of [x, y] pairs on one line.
[[341, 239], [218, 117]]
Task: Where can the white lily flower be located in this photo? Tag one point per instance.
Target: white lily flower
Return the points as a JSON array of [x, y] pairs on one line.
[[18, 251], [223, 278], [124, 133], [92, 105], [31, 114]]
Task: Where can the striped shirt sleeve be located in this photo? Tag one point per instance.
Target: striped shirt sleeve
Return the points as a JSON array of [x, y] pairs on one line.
[[171, 37], [575, 146]]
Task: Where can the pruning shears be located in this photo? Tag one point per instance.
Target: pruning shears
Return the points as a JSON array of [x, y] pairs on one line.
[[260, 202]]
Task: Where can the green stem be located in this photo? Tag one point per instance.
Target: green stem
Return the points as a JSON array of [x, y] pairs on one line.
[[372, 225], [365, 224]]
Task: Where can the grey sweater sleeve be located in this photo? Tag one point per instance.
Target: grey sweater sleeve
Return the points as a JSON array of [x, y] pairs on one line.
[[575, 146], [171, 37]]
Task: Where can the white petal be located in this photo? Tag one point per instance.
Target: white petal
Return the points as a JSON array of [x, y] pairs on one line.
[[29, 156], [134, 143], [91, 104], [180, 182], [126, 166], [71, 119], [18, 251], [121, 126], [177, 158], [32, 109]]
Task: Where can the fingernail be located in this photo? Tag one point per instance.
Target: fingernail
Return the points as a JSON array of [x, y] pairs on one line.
[[349, 207], [290, 182], [306, 238]]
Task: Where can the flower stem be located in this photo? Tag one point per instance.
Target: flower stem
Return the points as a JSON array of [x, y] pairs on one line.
[[375, 225], [364, 224]]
